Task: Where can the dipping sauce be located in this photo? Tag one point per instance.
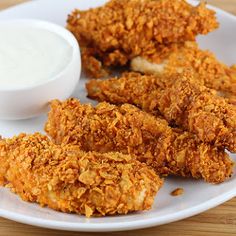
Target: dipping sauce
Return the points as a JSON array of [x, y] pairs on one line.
[[29, 55]]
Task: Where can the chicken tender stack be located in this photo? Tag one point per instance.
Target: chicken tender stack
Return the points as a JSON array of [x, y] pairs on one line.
[[153, 37], [180, 99], [131, 131], [106, 160], [121, 30], [70, 180]]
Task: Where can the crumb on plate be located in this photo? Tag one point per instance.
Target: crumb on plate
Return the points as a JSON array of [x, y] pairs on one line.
[[177, 192]]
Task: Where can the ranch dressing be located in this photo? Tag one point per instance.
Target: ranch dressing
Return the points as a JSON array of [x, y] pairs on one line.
[[29, 55]]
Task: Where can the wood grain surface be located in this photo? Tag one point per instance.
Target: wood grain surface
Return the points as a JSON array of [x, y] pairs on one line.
[[219, 221]]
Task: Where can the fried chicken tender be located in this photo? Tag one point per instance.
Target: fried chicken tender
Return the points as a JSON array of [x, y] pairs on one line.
[[70, 180], [129, 130], [172, 59], [180, 99], [121, 30]]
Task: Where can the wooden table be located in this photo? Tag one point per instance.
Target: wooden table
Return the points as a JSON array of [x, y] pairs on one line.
[[218, 221]]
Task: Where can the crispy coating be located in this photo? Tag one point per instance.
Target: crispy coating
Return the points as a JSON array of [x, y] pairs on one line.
[[121, 29], [70, 180], [127, 129], [93, 66], [180, 99], [175, 58]]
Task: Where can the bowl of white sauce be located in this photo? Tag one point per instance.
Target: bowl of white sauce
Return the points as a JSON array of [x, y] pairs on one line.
[[39, 62]]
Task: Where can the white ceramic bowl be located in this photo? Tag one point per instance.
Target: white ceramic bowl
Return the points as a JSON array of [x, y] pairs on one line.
[[29, 101]]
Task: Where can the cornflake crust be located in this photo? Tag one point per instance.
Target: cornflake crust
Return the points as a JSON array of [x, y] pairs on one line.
[[129, 130], [176, 57], [181, 99], [67, 179], [120, 30]]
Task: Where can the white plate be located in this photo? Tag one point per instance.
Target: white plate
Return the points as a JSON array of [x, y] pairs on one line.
[[198, 195]]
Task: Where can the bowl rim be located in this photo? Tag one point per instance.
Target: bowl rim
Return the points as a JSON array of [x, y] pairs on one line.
[[51, 27]]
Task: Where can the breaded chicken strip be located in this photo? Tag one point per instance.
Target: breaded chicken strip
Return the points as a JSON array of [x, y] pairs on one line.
[[129, 130], [172, 59], [121, 30], [67, 179], [180, 99]]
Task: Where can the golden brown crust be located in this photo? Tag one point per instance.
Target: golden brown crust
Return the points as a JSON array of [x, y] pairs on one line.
[[91, 65], [180, 99], [129, 130], [176, 57], [70, 180], [121, 30]]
